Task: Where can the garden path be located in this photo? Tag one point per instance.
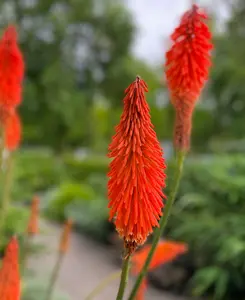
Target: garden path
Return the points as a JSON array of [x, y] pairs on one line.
[[84, 266]]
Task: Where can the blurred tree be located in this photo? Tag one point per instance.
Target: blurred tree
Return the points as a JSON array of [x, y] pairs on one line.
[[75, 50], [120, 75], [227, 89]]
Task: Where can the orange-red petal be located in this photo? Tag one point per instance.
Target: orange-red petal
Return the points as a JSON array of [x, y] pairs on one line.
[[165, 252]]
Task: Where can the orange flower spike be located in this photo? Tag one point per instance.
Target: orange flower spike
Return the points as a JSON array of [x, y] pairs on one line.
[[189, 59], [187, 68], [11, 69], [65, 237], [13, 132], [33, 228], [9, 273], [136, 175], [5, 114]]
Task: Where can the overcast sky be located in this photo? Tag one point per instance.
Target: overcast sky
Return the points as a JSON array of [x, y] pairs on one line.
[[155, 20]]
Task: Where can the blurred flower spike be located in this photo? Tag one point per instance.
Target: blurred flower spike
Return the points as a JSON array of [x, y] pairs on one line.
[[9, 273], [11, 69], [65, 237], [33, 227], [12, 132]]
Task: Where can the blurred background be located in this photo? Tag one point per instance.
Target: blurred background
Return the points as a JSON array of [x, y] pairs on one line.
[[80, 56]]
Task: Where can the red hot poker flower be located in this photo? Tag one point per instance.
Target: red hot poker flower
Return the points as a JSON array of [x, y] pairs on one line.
[[187, 67], [136, 176], [65, 237], [9, 273], [11, 69], [5, 114], [188, 60], [166, 251], [32, 228], [13, 132]]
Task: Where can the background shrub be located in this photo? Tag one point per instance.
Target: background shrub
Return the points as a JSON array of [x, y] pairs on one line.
[[209, 216], [59, 198]]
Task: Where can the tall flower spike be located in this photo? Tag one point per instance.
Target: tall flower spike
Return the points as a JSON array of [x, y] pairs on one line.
[[32, 228], [13, 132], [9, 273], [187, 68], [65, 237], [166, 251], [11, 69], [5, 114], [136, 176]]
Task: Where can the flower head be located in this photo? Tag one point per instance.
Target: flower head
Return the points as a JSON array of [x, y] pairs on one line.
[[187, 68], [166, 251], [32, 228], [136, 176], [13, 132], [65, 237], [9, 273], [11, 68], [188, 60]]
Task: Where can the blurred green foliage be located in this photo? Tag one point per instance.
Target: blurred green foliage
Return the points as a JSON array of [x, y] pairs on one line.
[[77, 57], [91, 218], [65, 183], [40, 170], [209, 217], [80, 169], [36, 289], [226, 90], [61, 197], [78, 63], [208, 214], [15, 223], [35, 171]]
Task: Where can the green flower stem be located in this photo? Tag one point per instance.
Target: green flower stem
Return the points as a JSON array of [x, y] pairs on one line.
[[103, 284], [6, 191], [54, 277], [26, 251], [124, 277], [159, 231]]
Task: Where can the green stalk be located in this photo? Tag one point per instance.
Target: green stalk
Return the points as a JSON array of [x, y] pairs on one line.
[[103, 284], [6, 192], [26, 251], [124, 277], [54, 277], [159, 231]]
